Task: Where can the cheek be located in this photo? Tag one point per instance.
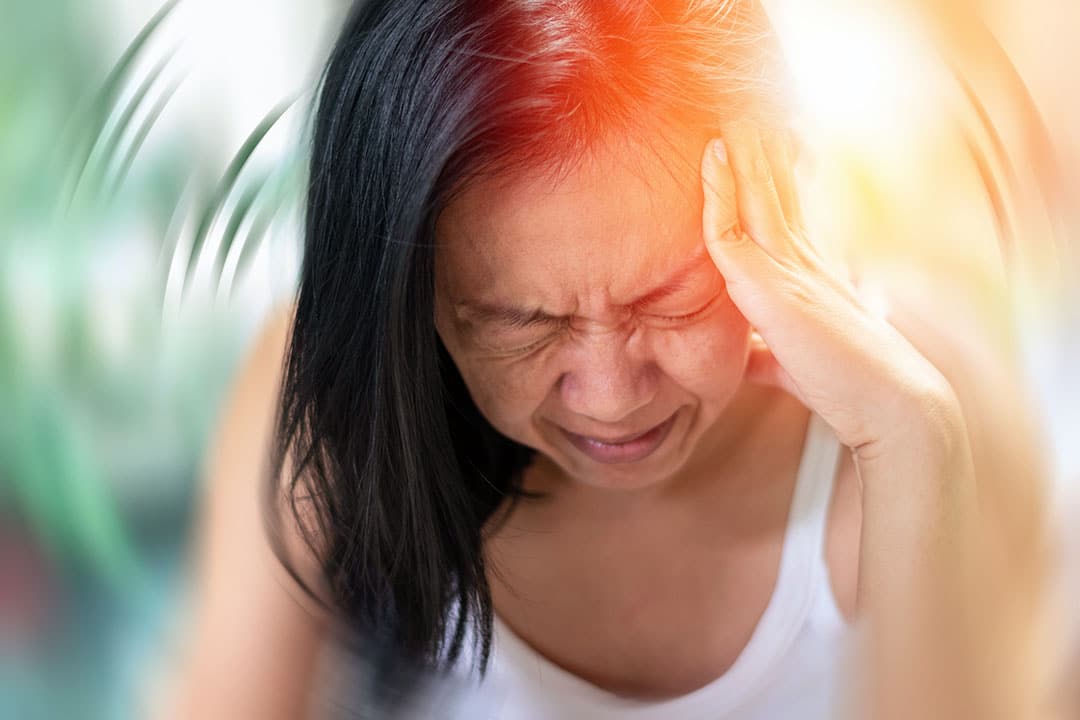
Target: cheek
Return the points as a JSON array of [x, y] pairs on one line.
[[492, 387], [709, 357], [506, 394]]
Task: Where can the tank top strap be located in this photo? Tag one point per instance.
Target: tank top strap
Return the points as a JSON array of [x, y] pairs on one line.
[[804, 569], [808, 516], [798, 582]]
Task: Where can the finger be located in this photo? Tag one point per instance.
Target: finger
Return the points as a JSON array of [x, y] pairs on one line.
[[760, 211], [720, 217], [778, 148], [739, 258], [743, 261], [795, 148]]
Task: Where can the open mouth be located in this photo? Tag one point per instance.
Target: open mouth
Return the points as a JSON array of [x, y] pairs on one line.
[[626, 449]]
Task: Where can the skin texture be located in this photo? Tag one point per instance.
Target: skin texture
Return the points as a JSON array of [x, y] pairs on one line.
[[933, 593], [608, 363], [252, 644], [628, 538], [650, 582]]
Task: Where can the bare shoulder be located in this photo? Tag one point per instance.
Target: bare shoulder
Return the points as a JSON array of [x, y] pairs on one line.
[[262, 368], [255, 637]]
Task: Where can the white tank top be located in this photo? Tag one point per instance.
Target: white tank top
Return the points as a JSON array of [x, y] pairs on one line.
[[792, 666]]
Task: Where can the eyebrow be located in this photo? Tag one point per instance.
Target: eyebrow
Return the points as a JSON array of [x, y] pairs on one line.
[[531, 317]]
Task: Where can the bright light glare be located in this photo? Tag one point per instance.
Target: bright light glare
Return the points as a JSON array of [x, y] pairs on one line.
[[855, 71]]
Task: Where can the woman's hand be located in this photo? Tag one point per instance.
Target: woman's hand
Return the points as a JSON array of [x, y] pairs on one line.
[[922, 568], [818, 341]]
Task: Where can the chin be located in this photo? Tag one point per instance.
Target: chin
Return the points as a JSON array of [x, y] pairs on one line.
[[626, 479]]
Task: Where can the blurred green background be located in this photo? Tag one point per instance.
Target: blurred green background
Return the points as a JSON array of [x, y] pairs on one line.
[[151, 160], [148, 220]]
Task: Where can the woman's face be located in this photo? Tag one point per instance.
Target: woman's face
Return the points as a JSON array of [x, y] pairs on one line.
[[587, 318]]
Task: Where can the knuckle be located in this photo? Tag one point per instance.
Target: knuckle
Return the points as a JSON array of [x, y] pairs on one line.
[[798, 229], [935, 394], [809, 255], [730, 234], [795, 288], [775, 145], [933, 400], [733, 233], [756, 170]]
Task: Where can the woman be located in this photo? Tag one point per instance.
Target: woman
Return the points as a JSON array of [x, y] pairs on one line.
[[573, 406]]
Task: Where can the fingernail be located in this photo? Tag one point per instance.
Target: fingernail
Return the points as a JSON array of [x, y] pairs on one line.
[[719, 151]]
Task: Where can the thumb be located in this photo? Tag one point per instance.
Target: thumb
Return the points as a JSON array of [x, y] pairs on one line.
[[720, 214], [740, 259]]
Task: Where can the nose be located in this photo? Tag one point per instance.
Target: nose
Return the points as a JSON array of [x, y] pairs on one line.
[[608, 379]]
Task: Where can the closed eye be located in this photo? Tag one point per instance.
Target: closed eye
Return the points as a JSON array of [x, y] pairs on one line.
[[687, 317], [515, 343]]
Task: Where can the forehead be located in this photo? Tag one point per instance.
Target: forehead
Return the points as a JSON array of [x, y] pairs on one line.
[[623, 215]]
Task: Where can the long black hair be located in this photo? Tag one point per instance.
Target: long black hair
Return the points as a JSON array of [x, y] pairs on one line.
[[388, 468]]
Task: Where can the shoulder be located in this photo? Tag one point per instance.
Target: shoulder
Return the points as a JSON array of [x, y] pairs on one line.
[[262, 367], [245, 424], [254, 638], [261, 379], [239, 459], [240, 471]]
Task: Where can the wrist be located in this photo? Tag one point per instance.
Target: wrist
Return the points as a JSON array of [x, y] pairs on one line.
[[923, 420], [923, 465]]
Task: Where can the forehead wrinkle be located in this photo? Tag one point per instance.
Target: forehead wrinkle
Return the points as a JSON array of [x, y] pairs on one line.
[[521, 316], [640, 205], [650, 220], [483, 312], [677, 279]]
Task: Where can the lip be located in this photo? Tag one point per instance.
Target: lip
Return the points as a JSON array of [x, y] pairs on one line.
[[628, 449]]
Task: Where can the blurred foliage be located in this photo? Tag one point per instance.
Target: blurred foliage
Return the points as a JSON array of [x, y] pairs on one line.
[[83, 415], [108, 395]]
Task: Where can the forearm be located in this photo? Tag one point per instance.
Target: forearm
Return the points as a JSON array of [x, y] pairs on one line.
[[927, 649]]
